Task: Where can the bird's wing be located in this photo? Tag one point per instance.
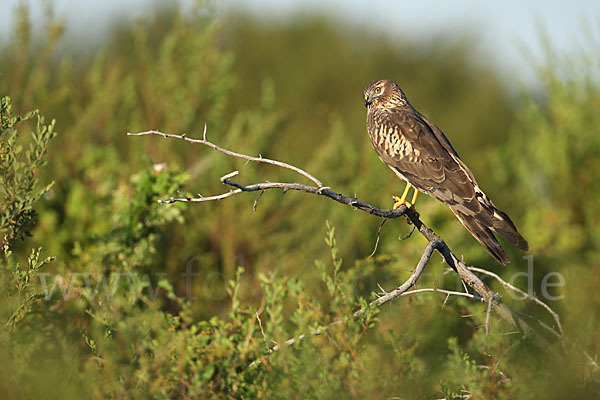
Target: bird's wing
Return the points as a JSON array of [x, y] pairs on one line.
[[424, 157], [418, 151]]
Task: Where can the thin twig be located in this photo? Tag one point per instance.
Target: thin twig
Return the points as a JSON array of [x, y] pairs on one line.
[[387, 297], [378, 236], [401, 238], [229, 175], [507, 285], [256, 201], [448, 293], [399, 293], [229, 152], [487, 318], [410, 282]]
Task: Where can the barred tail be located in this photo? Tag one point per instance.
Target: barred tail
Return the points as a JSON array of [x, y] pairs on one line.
[[487, 219], [483, 234]]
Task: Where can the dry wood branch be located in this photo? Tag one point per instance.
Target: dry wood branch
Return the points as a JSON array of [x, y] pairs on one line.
[[385, 298], [487, 318], [526, 295], [411, 281], [446, 292], [205, 142], [435, 242], [322, 191], [378, 236]]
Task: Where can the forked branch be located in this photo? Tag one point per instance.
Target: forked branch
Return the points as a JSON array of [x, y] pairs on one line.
[[205, 142], [484, 293]]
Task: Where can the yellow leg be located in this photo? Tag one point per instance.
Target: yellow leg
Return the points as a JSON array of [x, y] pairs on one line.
[[398, 201], [414, 199]]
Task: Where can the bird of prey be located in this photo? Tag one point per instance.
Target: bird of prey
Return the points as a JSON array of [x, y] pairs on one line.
[[419, 153]]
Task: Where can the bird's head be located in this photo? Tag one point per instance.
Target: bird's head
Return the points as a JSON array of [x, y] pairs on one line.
[[384, 93]]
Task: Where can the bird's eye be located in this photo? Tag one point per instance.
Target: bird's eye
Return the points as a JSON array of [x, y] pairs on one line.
[[378, 90]]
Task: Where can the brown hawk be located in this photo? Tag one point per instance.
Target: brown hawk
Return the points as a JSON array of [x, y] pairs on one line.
[[418, 152]]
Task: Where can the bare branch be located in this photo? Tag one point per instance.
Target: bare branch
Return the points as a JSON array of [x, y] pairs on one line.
[[387, 297], [408, 235], [526, 295], [229, 152], [322, 191], [410, 282], [448, 293], [401, 290], [229, 175], [487, 318], [256, 201], [435, 242], [201, 198], [378, 236]]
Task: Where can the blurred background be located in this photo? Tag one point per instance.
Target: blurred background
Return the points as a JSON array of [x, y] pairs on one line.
[[514, 86]]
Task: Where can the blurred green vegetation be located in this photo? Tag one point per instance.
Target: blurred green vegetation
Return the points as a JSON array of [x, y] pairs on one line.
[[154, 303]]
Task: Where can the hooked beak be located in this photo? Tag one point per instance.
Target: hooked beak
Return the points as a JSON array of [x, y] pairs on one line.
[[368, 100]]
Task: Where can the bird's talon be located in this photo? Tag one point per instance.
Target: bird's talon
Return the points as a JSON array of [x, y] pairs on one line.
[[397, 202]]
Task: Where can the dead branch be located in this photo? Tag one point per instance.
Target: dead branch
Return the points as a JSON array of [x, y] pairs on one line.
[[205, 142], [526, 295], [446, 292], [434, 242], [385, 298], [411, 281]]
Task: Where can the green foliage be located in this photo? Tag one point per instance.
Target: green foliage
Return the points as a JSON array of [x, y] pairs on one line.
[[551, 167], [556, 167], [147, 300], [140, 350], [18, 173], [19, 191]]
